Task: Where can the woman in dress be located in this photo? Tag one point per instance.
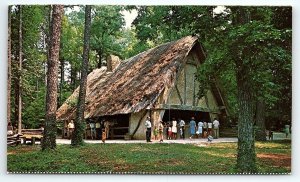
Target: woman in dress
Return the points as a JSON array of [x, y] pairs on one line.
[[192, 127], [200, 129], [174, 129]]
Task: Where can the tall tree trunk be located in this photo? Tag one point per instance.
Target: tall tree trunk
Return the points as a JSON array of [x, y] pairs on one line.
[[100, 59], [62, 77], [77, 138], [19, 75], [16, 98], [246, 149], [48, 38], [9, 66], [73, 77], [49, 139], [260, 132]]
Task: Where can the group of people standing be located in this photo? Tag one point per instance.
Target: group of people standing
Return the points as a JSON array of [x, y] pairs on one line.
[[158, 130], [95, 130], [204, 129], [201, 130]]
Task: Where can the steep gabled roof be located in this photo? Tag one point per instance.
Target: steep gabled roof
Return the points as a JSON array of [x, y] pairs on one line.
[[135, 84]]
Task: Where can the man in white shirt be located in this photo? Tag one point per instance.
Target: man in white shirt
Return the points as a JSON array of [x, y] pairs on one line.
[[71, 128], [216, 124], [148, 129], [182, 125]]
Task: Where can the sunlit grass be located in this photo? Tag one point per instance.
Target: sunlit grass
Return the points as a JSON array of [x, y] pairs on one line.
[[273, 157]]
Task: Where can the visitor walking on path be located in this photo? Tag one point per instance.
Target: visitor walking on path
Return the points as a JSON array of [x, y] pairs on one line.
[[210, 138], [286, 130], [205, 127], [192, 127], [160, 131], [169, 131], [93, 130], [209, 127], [174, 129], [71, 128], [216, 124], [200, 129], [103, 131], [155, 132], [182, 127], [148, 129]]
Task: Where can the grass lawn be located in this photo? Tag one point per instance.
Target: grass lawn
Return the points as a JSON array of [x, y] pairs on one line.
[[272, 157]]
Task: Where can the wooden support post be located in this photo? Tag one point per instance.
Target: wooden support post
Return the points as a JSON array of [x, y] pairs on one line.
[[194, 91], [112, 134], [184, 86], [32, 140], [179, 96], [207, 104]]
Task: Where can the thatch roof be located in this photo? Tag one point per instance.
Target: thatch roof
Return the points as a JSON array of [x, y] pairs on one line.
[[134, 85]]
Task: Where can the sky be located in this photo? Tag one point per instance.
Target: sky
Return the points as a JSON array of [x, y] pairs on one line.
[[129, 17]]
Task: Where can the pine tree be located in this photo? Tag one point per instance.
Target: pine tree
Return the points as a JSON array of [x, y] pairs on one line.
[[49, 139], [9, 66], [77, 138], [18, 91]]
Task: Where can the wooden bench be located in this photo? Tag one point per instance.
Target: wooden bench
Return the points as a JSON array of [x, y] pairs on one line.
[[112, 132], [13, 140], [32, 135]]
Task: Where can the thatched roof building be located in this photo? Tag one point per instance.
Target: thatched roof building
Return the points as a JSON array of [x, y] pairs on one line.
[[152, 81]]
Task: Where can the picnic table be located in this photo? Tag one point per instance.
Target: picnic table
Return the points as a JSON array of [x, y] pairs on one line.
[[32, 135]]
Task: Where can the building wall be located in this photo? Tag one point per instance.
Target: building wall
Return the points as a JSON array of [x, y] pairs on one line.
[[188, 88], [156, 117], [190, 71], [133, 122], [211, 100]]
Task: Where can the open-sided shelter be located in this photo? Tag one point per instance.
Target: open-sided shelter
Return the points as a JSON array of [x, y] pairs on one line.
[[159, 83]]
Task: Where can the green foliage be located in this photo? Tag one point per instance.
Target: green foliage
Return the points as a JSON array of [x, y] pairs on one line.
[[107, 23], [34, 58], [72, 102], [34, 113]]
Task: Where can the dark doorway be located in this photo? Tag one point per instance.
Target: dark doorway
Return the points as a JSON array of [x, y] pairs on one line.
[[185, 115], [120, 125]]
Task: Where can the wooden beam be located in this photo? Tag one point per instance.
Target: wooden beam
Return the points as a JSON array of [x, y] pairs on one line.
[[184, 73], [197, 101], [186, 107], [194, 91], [179, 96], [220, 93], [206, 101]]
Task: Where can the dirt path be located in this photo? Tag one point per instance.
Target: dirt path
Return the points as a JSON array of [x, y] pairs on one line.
[[186, 141], [279, 160]]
